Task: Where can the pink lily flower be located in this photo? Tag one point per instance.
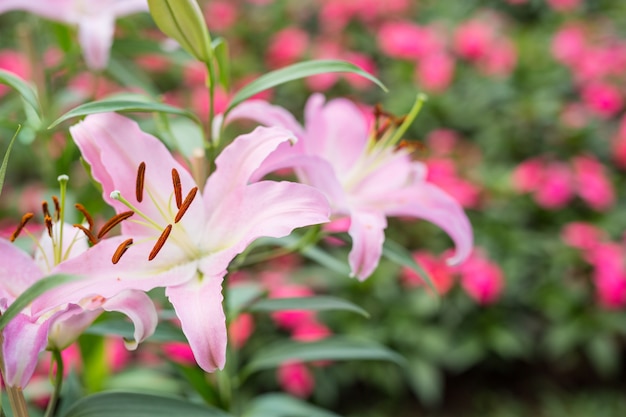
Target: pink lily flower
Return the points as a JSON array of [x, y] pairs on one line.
[[55, 324], [364, 178], [183, 241], [95, 21]]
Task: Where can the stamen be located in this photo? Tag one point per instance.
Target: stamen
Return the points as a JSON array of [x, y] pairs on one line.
[[121, 249], [160, 242], [48, 221], [114, 221], [25, 219], [87, 233], [44, 209], [183, 208], [178, 190], [85, 214], [57, 207], [141, 175]]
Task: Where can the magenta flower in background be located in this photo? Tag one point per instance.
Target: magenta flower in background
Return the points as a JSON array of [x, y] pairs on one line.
[[364, 179], [51, 322], [593, 184], [481, 278], [177, 238], [95, 21]]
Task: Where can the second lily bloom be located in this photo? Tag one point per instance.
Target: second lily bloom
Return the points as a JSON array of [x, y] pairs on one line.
[[362, 171]]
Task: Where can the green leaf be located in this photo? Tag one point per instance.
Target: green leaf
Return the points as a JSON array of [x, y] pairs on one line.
[[240, 296], [283, 405], [400, 255], [319, 303], [333, 348], [165, 332], [5, 160], [426, 381], [28, 94], [297, 71], [126, 404], [182, 20], [220, 48], [117, 105], [33, 292]]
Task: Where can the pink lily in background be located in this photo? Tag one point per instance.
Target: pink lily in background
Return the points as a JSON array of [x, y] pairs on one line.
[[365, 177], [95, 21], [177, 238], [55, 324]]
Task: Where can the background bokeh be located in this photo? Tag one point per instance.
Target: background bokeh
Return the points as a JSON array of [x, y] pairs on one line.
[[524, 125]]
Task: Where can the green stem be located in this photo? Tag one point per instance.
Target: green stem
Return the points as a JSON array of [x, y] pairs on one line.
[[212, 144], [58, 250], [58, 383]]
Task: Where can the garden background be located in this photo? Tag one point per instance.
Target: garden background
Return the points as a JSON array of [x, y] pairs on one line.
[[524, 125]]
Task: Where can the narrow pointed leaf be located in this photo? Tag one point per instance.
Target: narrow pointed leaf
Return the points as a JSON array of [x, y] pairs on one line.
[[26, 91], [182, 20], [33, 292], [295, 72], [333, 348], [283, 405], [398, 254], [126, 404], [114, 105], [5, 160], [165, 332], [220, 49], [319, 303]]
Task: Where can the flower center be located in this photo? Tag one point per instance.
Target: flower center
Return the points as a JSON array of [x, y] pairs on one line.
[[172, 229]]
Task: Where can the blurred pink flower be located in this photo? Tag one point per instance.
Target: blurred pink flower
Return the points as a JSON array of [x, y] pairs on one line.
[[220, 15], [296, 379], [366, 63], [442, 172], [611, 290], [603, 99], [117, 356], [291, 319], [500, 59], [556, 187], [439, 272], [481, 278], [286, 47], [240, 330], [564, 5], [569, 44], [310, 331], [179, 352], [435, 72], [407, 40], [473, 39], [15, 63], [442, 142], [575, 115], [528, 175], [593, 186], [582, 235]]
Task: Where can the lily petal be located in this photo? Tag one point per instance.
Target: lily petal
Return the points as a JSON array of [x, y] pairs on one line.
[[368, 235], [263, 209], [198, 305], [427, 201], [60, 10], [138, 307], [115, 146], [103, 278], [238, 162], [266, 114], [336, 131], [95, 35], [17, 269], [24, 339]]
